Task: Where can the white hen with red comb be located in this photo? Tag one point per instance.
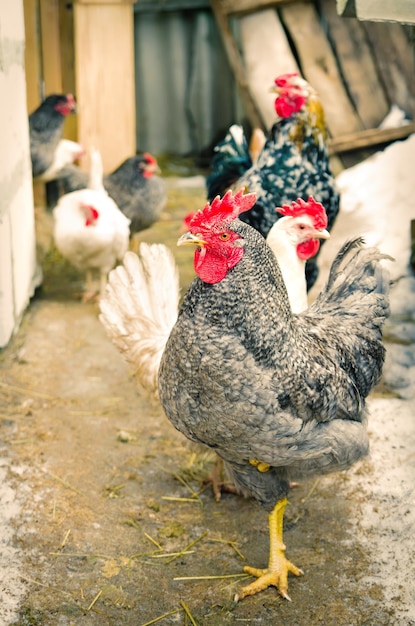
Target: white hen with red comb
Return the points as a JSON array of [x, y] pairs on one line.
[[89, 229], [294, 239]]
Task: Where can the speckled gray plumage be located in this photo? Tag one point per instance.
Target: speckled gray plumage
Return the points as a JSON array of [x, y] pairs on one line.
[[140, 199], [45, 131], [247, 378], [293, 164]]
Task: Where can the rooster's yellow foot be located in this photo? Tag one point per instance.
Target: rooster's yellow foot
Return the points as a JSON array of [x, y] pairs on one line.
[[278, 565], [261, 467], [277, 577]]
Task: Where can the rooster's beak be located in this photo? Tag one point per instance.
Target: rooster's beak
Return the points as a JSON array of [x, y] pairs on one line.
[[154, 169], [188, 239], [275, 89]]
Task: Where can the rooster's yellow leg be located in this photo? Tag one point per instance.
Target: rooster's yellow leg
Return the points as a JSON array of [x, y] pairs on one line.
[[277, 572]]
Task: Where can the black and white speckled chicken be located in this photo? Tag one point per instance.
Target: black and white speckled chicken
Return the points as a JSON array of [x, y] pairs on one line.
[[135, 186], [45, 130], [278, 396], [141, 302], [292, 164], [140, 305]]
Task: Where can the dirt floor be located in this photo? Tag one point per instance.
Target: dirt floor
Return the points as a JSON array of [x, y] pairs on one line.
[[110, 524]]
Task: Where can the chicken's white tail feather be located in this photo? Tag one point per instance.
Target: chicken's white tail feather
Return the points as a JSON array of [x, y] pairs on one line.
[[140, 307], [96, 171]]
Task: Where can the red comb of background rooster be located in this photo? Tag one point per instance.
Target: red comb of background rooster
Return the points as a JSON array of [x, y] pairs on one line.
[[314, 209], [292, 94], [223, 210], [149, 158], [285, 79]]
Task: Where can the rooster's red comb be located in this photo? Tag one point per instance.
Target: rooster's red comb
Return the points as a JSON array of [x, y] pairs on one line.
[[223, 210], [314, 209], [187, 219], [149, 158], [285, 79]]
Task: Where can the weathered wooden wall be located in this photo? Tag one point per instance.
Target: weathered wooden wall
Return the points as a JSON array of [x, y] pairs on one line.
[[186, 94], [18, 271], [104, 76], [86, 47], [159, 79], [359, 68]]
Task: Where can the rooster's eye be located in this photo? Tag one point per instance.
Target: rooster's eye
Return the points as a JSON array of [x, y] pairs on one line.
[[224, 236]]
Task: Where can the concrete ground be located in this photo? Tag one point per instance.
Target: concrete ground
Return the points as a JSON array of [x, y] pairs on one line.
[[103, 520]]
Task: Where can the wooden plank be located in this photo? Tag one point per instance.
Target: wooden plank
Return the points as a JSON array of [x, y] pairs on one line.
[[258, 32], [369, 137], [234, 7], [236, 65], [33, 74], [32, 58], [319, 67], [144, 6], [395, 58], [357, 65], [383, 10], [67, 61], [114, 2], [229, 7], [50, 42], [105, 91], [409, 32]]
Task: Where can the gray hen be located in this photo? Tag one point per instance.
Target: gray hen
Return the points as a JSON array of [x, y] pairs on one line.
[[277, 395], [45, 129], [134, 186]]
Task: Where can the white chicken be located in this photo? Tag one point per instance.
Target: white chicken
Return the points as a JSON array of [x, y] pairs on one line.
[[89, 229], [66, 152], [293, 240]]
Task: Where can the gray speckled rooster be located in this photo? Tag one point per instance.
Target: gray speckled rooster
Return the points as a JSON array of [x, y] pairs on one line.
[[276, 395], [292, 164]]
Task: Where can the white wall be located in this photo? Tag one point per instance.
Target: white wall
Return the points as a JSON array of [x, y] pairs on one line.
[[18, 271]]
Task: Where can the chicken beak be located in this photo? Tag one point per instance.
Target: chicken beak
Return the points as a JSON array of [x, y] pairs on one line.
[[275, 89], [188, 239], [321, 234]]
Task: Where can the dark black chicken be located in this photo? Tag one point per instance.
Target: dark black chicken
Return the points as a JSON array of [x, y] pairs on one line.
[[45, 130], [292, 164], [134, 186], [276, 395]]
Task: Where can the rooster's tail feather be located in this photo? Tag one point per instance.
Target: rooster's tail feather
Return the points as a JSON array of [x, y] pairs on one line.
[[230, 161], [356, 269], [139, 309], [96, 171]]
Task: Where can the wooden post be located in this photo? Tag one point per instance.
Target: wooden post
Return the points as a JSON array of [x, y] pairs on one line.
[[50, 46], [104, 70], [236, 64], [32, 59]]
